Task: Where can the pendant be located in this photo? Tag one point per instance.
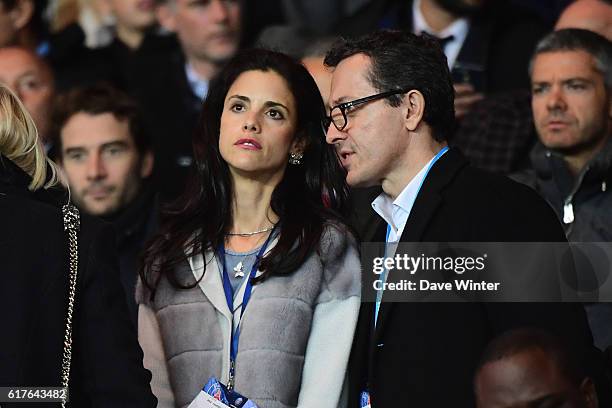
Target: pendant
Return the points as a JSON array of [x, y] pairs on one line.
[[239, 269]]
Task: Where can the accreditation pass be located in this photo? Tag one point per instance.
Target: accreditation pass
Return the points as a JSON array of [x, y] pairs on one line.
[[203, 400]]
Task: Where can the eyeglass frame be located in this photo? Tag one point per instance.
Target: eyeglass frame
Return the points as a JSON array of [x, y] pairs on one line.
[[327, 121]]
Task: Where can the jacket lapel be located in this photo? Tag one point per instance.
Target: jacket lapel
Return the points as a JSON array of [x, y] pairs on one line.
[[429, 198], [211, 284], [425, 207], [366, 318]]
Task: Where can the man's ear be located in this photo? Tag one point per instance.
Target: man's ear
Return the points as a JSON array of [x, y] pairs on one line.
[[415, 107], [587, 389], [22, 13], [146, 165], [166, 16]]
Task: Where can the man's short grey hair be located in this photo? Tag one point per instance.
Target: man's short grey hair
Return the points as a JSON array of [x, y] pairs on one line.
[[575, 39]]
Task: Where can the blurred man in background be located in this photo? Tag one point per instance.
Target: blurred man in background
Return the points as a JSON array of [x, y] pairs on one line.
[[106, 157], [571, 164], [31, 78], [499, 132], [171, 94]]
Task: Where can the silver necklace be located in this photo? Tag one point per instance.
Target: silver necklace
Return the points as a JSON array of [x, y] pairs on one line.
[[250, 234]]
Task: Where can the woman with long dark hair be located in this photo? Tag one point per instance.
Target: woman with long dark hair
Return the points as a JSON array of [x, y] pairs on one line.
[[261, 226]]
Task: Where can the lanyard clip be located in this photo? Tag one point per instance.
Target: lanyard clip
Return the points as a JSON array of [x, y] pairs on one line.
[[230, 381]]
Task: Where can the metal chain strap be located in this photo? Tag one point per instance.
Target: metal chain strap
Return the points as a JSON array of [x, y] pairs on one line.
[[71, 226]]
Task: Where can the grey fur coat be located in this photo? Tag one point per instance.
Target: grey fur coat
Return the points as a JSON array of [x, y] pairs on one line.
[[296, 332]]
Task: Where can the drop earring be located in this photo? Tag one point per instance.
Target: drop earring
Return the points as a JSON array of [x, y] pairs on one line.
[[295, 158]]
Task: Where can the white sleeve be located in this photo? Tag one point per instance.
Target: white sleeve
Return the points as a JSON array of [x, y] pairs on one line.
[[151, 342], [327, 353]]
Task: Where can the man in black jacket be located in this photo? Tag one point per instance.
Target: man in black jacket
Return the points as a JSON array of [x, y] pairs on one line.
[[392, 111], [571, 164]]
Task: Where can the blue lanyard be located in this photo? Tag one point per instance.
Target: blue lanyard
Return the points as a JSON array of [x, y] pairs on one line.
[[379, 297], [229, 297]]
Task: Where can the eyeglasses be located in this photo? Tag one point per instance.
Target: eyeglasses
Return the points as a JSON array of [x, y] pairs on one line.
[[337, 114]]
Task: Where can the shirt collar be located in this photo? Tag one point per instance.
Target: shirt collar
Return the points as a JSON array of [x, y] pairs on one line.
[[198, 85], [458, 29], [396, 213]]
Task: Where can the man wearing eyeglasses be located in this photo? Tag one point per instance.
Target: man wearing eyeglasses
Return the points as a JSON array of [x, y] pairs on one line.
[[391, 114]]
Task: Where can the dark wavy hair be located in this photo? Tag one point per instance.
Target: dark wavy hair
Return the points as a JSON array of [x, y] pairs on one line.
[[308, 196], [98, 99]]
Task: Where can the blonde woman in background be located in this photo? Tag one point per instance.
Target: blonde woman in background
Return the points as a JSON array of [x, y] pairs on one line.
[[93, 16], [106, 359]]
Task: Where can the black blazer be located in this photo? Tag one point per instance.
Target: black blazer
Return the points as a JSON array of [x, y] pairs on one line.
[[107, 366], [425, 354]]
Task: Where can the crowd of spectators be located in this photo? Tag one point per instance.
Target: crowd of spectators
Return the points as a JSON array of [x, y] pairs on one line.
[[115, 88]]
